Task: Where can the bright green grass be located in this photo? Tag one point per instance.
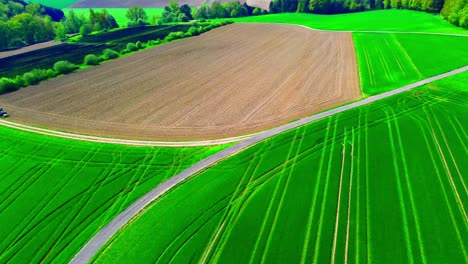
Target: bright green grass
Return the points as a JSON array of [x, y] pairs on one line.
[[54, 3], [117, 13], [388, 61], [391, 20], [397, 167], [55, 194]]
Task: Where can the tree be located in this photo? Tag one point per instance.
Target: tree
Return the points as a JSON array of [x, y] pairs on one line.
[[135, 14], [173, 7], [217, 10], [187, 11], [202, 12], [86, 29], [74, 22], [5, 35], [35, 9], [61, 32], [303, 6]]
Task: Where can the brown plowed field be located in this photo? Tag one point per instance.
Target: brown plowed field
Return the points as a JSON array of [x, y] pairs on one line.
[[234, 80]]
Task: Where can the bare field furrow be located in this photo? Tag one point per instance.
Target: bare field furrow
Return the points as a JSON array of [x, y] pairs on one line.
[[234, 80]]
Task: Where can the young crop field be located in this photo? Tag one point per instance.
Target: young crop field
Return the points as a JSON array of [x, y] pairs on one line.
[[380, 20], [388, 61], [384, 183], [56, 194], [117, 13], [234, 80]]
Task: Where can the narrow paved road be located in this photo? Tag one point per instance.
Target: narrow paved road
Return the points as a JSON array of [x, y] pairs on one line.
[[91, 248]]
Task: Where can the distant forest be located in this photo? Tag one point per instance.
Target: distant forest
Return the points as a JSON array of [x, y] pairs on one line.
[[454, 11]]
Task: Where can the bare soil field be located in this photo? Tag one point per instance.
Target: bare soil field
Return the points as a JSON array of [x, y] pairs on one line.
[[265, 4], [5, 54], [237, 79]]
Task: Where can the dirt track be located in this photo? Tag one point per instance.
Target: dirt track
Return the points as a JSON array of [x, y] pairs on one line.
[[238, 79], [5, 54]]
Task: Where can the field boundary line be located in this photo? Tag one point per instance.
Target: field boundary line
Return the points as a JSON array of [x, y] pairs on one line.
[[129, 142], [360, 31], [101, 238]]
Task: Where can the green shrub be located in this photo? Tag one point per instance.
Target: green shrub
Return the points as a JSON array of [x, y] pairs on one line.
[[64, 67], [174, 35], [187, 35], [124, 51], [140, 45], [91, 59], [8, 85], [109, 54], [30, 78], [193, 31], [132, 47]]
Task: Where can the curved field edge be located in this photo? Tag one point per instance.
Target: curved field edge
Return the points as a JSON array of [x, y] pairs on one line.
[[57, 193], [330, 191], [388, 61], [379, 20]]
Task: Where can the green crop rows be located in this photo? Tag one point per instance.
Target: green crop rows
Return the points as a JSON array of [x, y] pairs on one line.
[[389, 61], [384, 183], [55, 194]]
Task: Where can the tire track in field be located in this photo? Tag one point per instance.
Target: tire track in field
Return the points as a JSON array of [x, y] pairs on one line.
[[358, 188], [226, 217], [450, 151], [325, 193], [441, 184], [272, 203], [401, 199], [283, 194], [349, 197], [338, 203], [410, 191], [368, 213], [447, 169], [240, 203], [47, 200], [315, 195]]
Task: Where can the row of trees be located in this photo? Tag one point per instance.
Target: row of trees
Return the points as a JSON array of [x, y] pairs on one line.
[[344, 6], [456, 12], [22, 25], [227, 10]]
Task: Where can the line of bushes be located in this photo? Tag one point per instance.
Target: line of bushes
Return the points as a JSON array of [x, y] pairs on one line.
[[64, 67]]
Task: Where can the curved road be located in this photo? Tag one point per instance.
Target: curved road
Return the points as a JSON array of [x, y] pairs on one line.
[[91, 248]]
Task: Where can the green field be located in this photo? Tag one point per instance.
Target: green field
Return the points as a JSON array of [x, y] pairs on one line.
[[54, 3], [117, 13], [384, 183], [388, 61], [55, 194], [381, 20]]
